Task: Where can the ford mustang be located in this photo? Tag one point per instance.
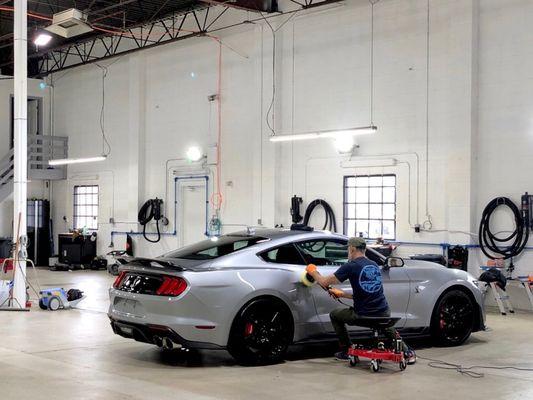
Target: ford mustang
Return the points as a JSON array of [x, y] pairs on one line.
[[243, 292]]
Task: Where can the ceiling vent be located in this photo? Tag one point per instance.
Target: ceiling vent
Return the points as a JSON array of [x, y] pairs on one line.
[[69, 23]]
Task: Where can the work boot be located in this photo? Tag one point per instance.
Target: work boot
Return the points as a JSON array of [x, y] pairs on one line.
[[410, 357], [342, 356]]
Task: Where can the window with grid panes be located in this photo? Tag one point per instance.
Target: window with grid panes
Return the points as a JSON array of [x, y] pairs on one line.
[[86, 207], [370, 206]]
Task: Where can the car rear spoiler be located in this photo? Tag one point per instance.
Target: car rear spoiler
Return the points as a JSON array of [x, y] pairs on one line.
[[156, 263]]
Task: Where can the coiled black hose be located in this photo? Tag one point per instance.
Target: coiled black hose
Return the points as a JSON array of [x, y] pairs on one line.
[[151, 209], [330, 223], [490, 243]]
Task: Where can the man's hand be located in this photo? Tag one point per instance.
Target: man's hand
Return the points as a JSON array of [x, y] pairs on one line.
[[310, 269], [323, 281], [336, 293]]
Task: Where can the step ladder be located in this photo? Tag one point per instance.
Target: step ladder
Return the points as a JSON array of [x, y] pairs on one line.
[[527, 284], [501, 297]]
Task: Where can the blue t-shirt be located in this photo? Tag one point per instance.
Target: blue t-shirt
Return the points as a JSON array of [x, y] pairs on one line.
[[365, 278]]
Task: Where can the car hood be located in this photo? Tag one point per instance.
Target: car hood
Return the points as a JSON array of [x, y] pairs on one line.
[[422, 264], [420, 269]]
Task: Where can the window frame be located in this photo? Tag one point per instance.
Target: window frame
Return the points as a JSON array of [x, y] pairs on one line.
[[346, 204], [343, 241], [379, 258], [75, 204], [306, 256], [180, 253], [262, 254]]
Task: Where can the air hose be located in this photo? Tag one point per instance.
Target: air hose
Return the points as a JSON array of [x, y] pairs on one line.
[[151, 210], [330, 223], [495, 247]]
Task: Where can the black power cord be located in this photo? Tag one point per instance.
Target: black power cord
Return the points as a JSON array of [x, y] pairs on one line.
[[330, 222], [490, 243], [470, 370], [151, 210]]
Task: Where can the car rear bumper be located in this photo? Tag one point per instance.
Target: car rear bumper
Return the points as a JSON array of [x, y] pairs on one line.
[[186, 318], [153, 334]]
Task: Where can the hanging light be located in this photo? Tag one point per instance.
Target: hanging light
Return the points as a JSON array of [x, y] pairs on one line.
[[331, 134], [344, 144], [341, 136], [194, 154], [65, 161], [42, 39]]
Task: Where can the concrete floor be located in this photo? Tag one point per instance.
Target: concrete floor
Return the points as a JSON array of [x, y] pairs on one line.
[[73, 354]]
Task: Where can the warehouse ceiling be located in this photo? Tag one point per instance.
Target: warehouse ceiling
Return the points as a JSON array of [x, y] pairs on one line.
[[108, 18]]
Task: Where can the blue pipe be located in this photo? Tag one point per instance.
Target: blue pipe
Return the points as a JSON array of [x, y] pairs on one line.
[[445, 245], [175, 232]]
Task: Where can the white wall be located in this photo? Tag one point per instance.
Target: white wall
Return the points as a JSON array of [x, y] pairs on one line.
[[480, 142]]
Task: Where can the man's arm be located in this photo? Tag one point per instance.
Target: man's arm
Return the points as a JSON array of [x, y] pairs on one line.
[[324, 281], [327, 281], [339, 293]]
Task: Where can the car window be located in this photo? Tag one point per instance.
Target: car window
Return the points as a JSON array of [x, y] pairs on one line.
[[373, 255], [210, 249], [324, 252], [286, 254]]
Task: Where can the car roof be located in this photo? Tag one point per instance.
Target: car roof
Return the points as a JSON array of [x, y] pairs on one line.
[[278, 233]]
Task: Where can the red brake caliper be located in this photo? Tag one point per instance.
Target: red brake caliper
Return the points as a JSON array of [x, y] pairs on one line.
[[248, 329]]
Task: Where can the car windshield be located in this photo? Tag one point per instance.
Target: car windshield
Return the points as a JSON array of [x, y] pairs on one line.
[[213, 248]]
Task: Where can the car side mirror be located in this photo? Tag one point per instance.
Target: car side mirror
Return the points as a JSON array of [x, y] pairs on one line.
[[393, 262]]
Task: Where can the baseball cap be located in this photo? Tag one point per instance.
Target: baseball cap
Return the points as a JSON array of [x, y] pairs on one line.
[[357, 242]]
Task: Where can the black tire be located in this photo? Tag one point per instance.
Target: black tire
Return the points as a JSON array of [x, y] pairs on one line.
[[261, 332], [374, 366], [54, 303], [402, 365], [42, 306], [353, 361], [453, 319]]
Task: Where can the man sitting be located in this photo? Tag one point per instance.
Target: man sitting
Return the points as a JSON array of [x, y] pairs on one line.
[[368, 297]]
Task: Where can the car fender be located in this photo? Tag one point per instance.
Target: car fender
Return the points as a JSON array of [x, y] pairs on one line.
[[444, 288], [428, 282], [281, 284]]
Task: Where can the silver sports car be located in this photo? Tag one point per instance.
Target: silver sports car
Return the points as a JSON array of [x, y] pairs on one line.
[[243, 292]]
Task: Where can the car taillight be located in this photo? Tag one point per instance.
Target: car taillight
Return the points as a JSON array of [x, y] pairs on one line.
[[172, 286], [119, 279]]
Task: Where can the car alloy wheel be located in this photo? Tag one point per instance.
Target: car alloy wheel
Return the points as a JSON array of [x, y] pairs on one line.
[[453, 319], [261, 333]]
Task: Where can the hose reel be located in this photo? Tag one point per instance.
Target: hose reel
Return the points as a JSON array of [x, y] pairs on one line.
[[494, 246], [151, 210]]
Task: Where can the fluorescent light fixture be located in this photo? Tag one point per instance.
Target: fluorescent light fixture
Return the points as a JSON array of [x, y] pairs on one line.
[[65, 161], [42, 39], [194, 154], [363, 130]]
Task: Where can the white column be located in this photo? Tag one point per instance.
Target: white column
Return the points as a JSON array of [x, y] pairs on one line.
[[20, 145]]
